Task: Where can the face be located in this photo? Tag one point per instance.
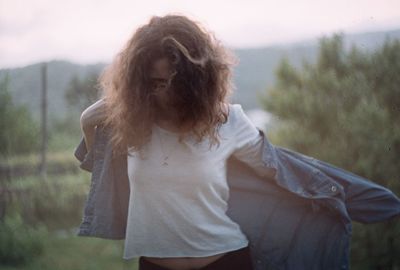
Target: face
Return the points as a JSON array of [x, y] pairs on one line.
[[161, 75]]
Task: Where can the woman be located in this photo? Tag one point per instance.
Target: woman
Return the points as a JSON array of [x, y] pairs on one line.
[[172, 130], [165, 99]]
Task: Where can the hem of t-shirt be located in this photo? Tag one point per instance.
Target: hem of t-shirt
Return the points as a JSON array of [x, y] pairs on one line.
[[206, 254]]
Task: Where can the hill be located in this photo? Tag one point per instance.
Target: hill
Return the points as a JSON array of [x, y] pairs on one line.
[[254, 73]]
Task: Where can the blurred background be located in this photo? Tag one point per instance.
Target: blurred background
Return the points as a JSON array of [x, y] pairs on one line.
[[320, 77]]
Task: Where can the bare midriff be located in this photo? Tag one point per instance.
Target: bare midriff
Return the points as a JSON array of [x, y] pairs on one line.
[[185, 263]]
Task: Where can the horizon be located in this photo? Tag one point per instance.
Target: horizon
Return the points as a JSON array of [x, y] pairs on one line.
[[300, 42], [294, 43]]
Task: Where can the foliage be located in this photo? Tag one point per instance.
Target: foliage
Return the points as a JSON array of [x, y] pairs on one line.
[[66, 251], [18, 132], [65, 132], [19, 243], [81, 93], [56, 203], [345, 109], [54, 208], [39, 229], [24, 165]]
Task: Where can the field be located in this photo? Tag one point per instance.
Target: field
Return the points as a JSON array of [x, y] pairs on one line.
[[41, 217]]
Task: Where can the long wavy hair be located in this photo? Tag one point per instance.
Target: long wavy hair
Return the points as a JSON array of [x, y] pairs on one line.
[[199, 85]]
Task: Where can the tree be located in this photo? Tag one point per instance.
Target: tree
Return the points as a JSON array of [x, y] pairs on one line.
[[18, 131], [81, 93], [345, 109]]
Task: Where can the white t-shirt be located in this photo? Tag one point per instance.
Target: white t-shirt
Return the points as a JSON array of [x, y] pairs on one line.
[[179, 192]]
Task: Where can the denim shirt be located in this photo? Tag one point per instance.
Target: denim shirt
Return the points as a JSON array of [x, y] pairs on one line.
[[299, 217]]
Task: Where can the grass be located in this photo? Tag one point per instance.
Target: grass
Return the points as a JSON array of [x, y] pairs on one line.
[[64, 157], [70, 252], [60, 150], [57, 204]]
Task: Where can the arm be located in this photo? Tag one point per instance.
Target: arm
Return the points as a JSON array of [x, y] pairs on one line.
[[366, 201], [354, 197], [90, 118], [250, 144]]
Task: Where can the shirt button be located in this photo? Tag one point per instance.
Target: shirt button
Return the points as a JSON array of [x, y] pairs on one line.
[[333, 188]]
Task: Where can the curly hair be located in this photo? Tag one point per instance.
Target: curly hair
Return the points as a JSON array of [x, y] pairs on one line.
[[199, 85]]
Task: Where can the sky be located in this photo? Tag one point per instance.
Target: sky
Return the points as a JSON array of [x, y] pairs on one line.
[[91, 31]]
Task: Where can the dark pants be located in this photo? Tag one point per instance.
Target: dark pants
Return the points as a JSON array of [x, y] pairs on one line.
[[234, 260]]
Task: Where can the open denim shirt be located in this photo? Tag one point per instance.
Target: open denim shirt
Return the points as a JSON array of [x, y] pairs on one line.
[[300, 218]]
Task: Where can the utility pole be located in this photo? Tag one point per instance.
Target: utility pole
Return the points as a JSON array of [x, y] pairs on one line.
[[43, 162]]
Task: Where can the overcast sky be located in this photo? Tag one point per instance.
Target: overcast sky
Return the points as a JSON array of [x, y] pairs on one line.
[[88, 31]]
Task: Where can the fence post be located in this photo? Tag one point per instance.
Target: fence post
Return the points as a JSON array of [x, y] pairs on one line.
[[43, 161]]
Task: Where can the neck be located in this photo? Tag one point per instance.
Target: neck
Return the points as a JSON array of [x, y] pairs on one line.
[[168, 126]]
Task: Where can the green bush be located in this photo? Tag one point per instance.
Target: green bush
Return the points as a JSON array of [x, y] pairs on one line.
[[19, 243], [19, 133], [64, 132], [56, 203], [344, 109]]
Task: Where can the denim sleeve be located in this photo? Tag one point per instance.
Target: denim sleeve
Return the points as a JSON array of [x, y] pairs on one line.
[[366, 201], [85, 157]]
